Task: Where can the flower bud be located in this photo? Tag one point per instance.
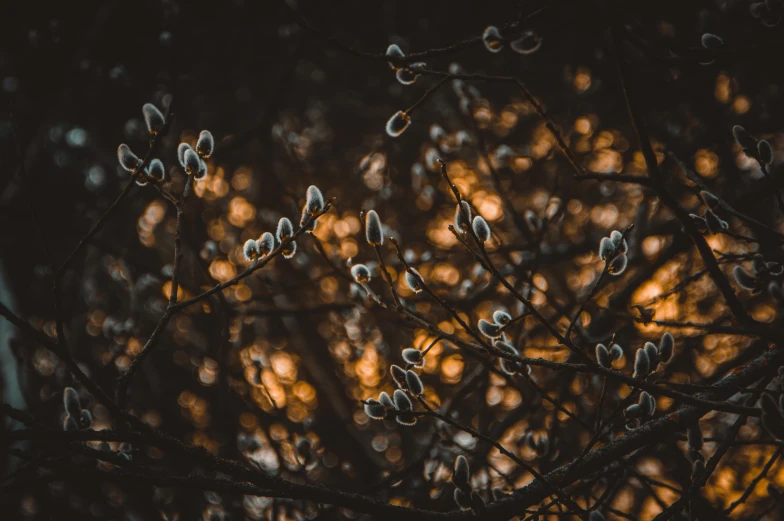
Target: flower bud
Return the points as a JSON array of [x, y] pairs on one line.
[[666, 347], [647, 404], [153, 118], [744, 279], [156, 170], [491, 37], [413, 280], [266, 243], [527, 43], [181, 153], [374, 410], [606, 248], [603, 356], [618, 265], [361, 273], [501, 318], [398, 123], [489, 329], [653, 353], [462, 499], [642, 364], [765, 152], [414, 383], [192, 161], [402, 401], [205, 144], [71, 401], [711, 41], [414, 357], [69, 424], [128, 160], [481, 229], [616, 352], [251, 250], [463, 216], [285, 229], [289, 249], [398, 375], [314, 201], [462, 473], [710, 200], [745, 140], [373, 231], [385, 400]]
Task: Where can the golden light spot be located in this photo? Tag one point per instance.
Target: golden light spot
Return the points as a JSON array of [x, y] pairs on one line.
[[240, 211], [222, 270], [706, 163], [583, 126], [582, 80], [452, 369], [741, 104]]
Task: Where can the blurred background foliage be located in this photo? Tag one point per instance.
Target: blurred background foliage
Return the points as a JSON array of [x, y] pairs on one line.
[[274, 370]]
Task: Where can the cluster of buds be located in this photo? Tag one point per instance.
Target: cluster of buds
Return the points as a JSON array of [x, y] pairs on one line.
[[763, 275], [612, 250], [464, 494], [526, 42], [76, 418]]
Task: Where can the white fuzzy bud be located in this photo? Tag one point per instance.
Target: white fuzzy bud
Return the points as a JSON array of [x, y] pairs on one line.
[[398, 375], [491, 37], [266, 243], [398, 123], [642, 364], [462, 473], [481, 228], [413, 356], [205, 144], [501, 318], [402, 401], [128, 160], [71, 402], [153, 118], [156, 170], [374, 233], [285, 229], [489, 329], [314, 201], [251, 250], [463, 216], [361, 273], [603, 356], [414, 383], [413, 280], [618, 265], [192, 161], [666, 347]]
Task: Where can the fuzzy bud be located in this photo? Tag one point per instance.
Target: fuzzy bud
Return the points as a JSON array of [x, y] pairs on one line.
[[205, 144], [527, 43], [69, 424], [85, 419], [653, 353], [489, 329], [606, 248], [373, 230], [71, 402], [314, 202], [765, 152], [414, 357], [462, 473], [647, 404], [156, 170], [666, 347], [491, 37], [181, 153], [251, 250], [463, 216], [616, 352], [374, 410], [618, 265], [266, 243], [414, 383], [402, 401], [153, 118], [128, 160], [398, 375], [711, 41], [745, 140], [619, 242], [361, 273], [413, 280], [192, 161], [398, 123], [385, 400], [642, 364], [285, 229], [603, 356], [481, 228], [501, 318], [289, 249], [744, 279]]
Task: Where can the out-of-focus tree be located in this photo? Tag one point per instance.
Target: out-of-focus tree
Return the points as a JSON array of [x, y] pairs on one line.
[[428, 260]]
